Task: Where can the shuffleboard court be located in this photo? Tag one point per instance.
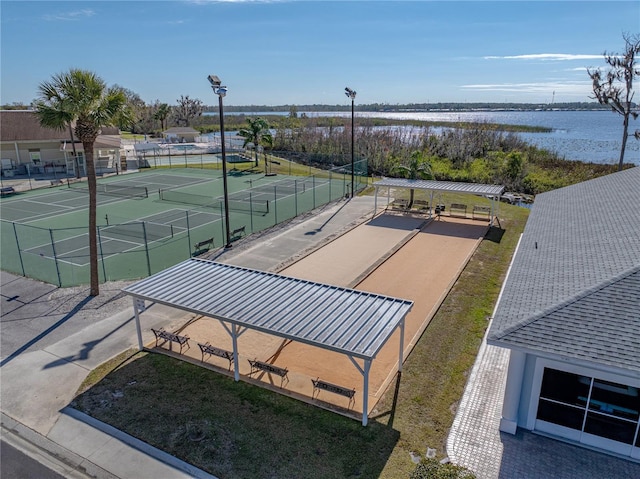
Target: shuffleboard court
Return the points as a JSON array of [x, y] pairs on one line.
[[386, 264]]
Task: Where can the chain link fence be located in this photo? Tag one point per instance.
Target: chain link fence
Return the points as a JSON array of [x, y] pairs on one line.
[[136, 249]]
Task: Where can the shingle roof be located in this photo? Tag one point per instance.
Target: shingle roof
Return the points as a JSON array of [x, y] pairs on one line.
[[23, 125], [574, 285]]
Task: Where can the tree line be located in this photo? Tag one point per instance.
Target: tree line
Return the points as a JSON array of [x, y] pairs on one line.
[[81, 102]]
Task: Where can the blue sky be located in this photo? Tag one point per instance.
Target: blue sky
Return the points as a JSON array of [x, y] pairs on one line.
[[305, 52]]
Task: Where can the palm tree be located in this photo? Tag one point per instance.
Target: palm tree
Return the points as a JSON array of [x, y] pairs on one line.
[[417, 168], [257, 133], [81, 98], [162, 114]]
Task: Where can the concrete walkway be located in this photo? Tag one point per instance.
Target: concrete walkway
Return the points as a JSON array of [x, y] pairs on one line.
[[68, 335], [52, 338]]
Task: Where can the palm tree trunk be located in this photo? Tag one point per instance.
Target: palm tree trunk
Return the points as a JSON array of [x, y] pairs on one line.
[[93, 232]]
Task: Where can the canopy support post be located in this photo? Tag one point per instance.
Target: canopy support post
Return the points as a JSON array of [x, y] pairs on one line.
[[401, 352], [236, 361], [365, 388], [136, 314], [365, 393]]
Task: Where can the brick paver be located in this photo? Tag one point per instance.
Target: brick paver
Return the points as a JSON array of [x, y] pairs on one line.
[[476, 442]]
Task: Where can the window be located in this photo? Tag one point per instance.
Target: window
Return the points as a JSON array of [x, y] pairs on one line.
[[590, 405], [34, 155]]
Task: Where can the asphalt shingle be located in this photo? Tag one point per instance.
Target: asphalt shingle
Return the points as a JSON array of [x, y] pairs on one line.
[[574, 285]]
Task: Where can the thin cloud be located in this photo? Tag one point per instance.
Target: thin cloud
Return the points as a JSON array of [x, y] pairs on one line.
[[545, 57], [70, 16], [560, 87], [206, 2]]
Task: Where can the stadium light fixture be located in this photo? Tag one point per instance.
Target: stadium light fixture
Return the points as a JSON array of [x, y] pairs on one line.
[[221, 91], [352, 94]]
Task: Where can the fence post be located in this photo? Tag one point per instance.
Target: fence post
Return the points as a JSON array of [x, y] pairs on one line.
[[55, 257], [104, 271], [146, 247], [295, 188], [15, 233], [330, 177], [313, 182], [275, 204], [251, 207], [186, 213], [222, 227]]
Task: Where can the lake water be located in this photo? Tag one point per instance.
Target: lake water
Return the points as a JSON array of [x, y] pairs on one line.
[[593, 136]]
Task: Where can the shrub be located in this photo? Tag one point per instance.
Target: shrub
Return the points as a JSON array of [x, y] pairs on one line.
[[433, 469]]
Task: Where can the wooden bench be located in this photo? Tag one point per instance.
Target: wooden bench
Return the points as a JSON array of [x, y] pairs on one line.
[[269, 368], [319, 385], [399, 204], [458, 209], [481, 212], [421, 205], [7, 191], [202, 246], [207, 349], [161, 334], [238, 232]]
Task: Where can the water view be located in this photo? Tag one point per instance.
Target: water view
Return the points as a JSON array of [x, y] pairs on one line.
[[593, 136]]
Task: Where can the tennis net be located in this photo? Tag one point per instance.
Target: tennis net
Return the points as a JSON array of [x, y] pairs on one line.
[[124, 191], [140, 230], [245, 205]]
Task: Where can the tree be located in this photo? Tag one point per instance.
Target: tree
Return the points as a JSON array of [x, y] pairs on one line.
[[81, 98], [162, 113], [417, 168], [615, 87], [187, 109], [138, 110], [257, 133]]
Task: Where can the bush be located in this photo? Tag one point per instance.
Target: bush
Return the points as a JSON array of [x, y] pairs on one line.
[[432, 469]]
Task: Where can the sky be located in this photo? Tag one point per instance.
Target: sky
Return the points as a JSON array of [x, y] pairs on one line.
[[307, 52]]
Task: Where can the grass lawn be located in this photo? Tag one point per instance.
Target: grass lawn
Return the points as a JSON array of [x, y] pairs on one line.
[[235, 430]]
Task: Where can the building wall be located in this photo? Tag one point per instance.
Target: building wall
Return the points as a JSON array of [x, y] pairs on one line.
[[532, 380]]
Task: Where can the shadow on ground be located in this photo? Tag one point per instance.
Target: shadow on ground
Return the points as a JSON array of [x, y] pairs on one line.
[[233, 429]]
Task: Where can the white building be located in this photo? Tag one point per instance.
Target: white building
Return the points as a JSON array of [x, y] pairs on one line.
[[570, 314]]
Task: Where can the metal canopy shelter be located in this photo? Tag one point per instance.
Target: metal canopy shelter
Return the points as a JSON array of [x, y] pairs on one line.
[[492, 192], [354, 323]]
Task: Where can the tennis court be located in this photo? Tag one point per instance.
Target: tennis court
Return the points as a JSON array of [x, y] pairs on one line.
[[148, 220]]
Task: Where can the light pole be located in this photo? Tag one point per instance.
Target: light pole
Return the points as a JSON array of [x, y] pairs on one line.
[[221, 91], [351, 94]]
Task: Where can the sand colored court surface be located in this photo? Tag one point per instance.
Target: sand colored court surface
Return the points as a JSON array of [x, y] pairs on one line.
[[407, 257]]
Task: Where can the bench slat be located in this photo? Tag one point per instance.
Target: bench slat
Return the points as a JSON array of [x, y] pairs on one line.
[[172, 338], [320, 385], [269, 368], [213, 351]]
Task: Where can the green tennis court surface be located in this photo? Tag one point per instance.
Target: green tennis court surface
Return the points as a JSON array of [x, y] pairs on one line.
[[147, 221]]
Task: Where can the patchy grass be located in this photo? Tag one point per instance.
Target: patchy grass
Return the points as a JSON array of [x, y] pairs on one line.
[[435, 373], [235, 430]]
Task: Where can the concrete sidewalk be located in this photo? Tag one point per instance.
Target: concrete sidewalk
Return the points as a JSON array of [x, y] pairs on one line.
[[70, 334]]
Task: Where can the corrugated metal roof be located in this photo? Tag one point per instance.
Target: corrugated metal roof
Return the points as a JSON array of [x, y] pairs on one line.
[[348, 321], [445, 186]]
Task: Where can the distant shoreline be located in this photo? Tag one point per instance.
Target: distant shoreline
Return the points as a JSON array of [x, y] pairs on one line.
[[416, 107]]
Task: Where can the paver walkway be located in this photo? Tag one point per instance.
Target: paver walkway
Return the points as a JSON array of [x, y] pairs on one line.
[[476, 442]]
